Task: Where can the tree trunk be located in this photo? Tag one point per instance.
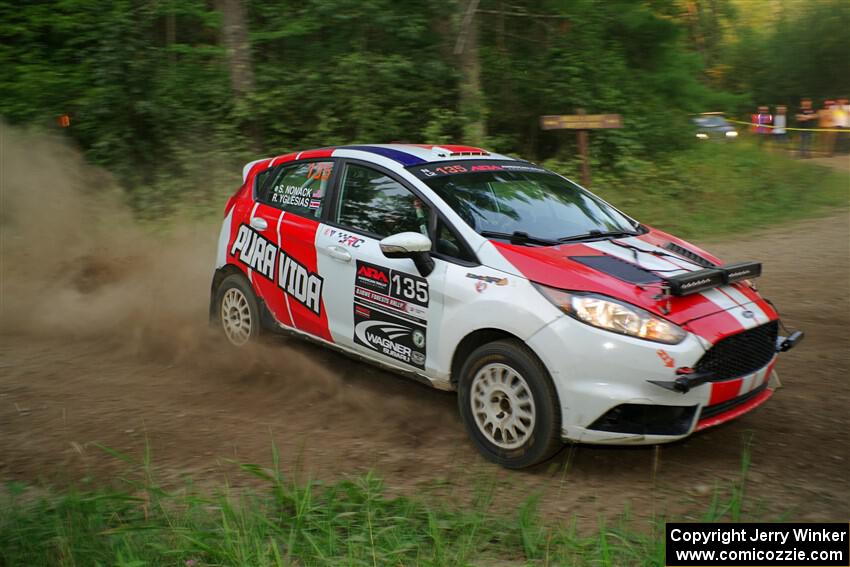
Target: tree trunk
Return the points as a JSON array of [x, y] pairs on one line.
[[234, 38], [170, 35], [471, 99]]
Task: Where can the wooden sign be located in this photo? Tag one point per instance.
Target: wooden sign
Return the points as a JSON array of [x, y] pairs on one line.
[[580, 121]]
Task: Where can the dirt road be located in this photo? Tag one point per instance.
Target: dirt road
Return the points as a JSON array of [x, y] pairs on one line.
[[201, 407], [103, 341]]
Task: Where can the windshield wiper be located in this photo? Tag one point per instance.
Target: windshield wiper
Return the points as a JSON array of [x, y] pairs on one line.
[[518, 237], [594, 234]]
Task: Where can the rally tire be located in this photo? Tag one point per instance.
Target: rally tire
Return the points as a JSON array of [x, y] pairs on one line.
[[237, 312], [509, 405]]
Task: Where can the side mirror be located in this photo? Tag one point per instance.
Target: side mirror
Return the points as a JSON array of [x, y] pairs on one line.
[[411, 245]]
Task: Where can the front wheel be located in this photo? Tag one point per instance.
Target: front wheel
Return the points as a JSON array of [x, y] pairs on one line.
[[237, 311], [509, 405]]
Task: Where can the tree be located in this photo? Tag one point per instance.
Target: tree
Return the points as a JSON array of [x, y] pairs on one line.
[[234, 39], [471, 103]]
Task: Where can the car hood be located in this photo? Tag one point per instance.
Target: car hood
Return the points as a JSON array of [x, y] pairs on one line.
[[630, 269]]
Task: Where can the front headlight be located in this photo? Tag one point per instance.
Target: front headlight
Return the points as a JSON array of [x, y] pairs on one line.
[[731, 134], [702, 135], [612, 315]]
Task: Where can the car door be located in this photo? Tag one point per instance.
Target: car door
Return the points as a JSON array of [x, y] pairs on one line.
[[286, 212], [381, 307]]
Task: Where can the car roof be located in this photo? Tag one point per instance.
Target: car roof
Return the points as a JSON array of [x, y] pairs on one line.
[[405, 154]]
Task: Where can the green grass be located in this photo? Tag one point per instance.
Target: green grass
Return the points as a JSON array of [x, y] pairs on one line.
[[351, 522], [715, 191]]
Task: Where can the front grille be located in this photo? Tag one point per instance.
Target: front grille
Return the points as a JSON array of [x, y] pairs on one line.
[[741, 354], [723, 407]]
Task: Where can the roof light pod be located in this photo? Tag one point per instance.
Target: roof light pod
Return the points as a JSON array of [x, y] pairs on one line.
[[458, 151]]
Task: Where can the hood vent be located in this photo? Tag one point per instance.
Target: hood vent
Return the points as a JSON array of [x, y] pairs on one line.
[[620, 269], [687, 254]]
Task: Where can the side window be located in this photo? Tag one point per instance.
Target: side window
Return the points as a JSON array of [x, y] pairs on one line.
[[261, 178], [449, 244], [298, 188], [373, 202]]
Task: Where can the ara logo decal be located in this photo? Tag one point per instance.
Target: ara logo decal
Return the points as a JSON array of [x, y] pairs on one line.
[[370, 276], [668, 360]]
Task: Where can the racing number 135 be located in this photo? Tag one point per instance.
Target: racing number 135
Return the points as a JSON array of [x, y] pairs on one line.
[[409, 288]]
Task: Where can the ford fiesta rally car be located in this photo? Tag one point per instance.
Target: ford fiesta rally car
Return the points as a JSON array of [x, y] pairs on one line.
[[554, 315]]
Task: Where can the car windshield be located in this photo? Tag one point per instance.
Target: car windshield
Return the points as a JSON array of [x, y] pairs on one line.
[[710, 121], [538, 203]]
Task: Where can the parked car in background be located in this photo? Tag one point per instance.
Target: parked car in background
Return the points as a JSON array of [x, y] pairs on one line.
[[713, 126]]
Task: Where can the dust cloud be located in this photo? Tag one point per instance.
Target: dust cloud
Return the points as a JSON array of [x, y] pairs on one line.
[[76, 265], [77, 269]]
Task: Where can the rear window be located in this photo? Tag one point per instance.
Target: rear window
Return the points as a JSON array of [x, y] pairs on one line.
[[298, 188]]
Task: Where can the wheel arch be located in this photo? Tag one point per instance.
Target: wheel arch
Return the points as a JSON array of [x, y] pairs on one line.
[[218, 277], [267, 320], [478, 338]]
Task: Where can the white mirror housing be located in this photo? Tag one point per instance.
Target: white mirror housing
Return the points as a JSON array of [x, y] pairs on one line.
[[411, 245], [404, 244]]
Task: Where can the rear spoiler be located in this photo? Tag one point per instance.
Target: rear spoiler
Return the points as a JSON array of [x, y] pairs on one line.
[[701, 280], [247, 169]]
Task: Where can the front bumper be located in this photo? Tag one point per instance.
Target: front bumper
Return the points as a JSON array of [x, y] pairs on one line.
[[608, 391]]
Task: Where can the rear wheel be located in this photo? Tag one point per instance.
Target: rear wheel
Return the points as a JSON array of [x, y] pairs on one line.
[[509, 405], [237, 310]]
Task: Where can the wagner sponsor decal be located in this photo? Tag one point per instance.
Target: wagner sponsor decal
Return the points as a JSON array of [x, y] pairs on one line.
[[391, 336], [255, 251]]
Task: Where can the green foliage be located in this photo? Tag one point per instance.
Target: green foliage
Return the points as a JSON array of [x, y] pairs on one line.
[[612, 57], [329, 72], [350, 522], [712, 190], [803, 53], [157, 108]]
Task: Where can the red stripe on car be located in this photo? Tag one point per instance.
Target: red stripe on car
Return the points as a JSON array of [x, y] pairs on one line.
[[298, 236], [724, 391], [736, 411], [320, 153]]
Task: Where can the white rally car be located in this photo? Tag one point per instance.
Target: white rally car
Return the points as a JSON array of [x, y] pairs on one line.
[[554, 315]]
